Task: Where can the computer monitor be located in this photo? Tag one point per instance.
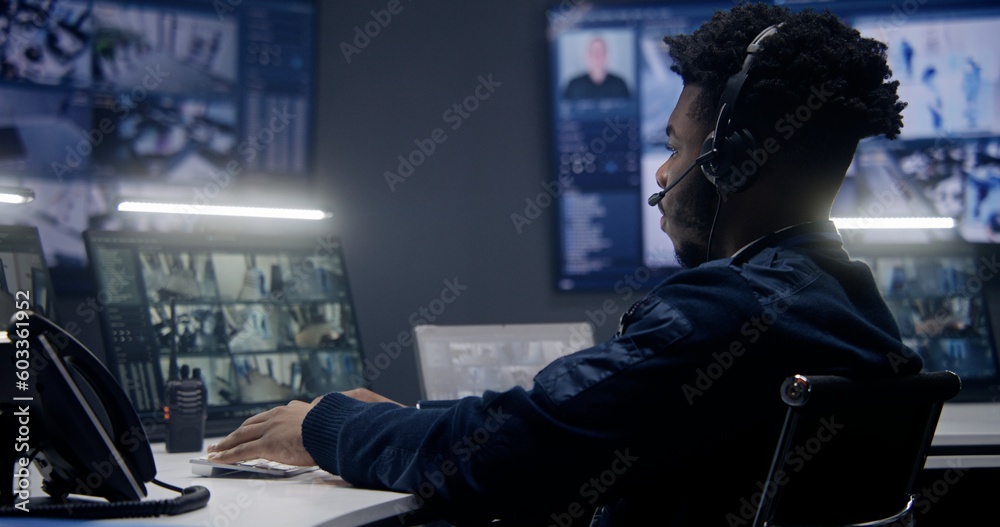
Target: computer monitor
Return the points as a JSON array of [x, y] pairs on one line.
[[946, 301], [609, 138], [265, 319], [456, 361], [24, 277], [190, 87]]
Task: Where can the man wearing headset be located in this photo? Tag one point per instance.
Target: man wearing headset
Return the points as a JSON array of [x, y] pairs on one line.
[[676, 417]]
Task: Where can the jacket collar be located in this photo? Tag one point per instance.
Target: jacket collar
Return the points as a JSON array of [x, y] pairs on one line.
[[813, 232]]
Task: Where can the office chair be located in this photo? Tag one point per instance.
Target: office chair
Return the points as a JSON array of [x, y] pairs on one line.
[[850, 451]]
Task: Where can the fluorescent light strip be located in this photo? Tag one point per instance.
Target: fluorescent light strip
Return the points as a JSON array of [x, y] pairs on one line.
[[894, 223], [16, 195], [13, 198], [219, 210]]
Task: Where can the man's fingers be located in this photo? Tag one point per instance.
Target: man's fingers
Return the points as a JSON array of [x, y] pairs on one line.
[[275, 434], [239, 452], [250, 430], [243, 434]]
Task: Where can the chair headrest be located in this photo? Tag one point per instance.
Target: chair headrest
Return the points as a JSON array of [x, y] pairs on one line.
[[923, 387]]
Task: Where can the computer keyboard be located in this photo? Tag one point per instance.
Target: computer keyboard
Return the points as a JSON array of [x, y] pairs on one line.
[[203, 467]]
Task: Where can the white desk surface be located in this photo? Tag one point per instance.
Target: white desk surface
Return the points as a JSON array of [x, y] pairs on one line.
[[968, 425], [318, 499], [312, 499]]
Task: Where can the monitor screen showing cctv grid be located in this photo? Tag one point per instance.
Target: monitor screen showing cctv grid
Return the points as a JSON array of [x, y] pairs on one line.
[[265, 319]]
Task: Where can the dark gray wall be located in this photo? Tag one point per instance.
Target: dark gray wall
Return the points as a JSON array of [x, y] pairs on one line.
[[451, 219]]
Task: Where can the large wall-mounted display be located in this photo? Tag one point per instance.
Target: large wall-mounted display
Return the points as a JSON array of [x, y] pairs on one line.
[[612, 91], [190, 100]]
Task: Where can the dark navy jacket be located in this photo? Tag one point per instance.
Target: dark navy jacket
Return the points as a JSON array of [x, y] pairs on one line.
[[675, 418]]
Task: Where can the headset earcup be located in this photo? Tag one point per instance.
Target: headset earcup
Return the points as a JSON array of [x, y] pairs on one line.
[[728, 169], [719, 170], [732, 172]]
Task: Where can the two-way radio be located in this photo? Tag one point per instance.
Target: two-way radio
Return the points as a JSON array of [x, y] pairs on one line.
[[184, 400]]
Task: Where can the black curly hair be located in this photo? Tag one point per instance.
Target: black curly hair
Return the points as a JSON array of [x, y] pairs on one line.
[[810, 51]]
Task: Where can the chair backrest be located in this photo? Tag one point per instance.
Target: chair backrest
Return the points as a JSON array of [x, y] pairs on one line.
[[459, 360], [850, 451]]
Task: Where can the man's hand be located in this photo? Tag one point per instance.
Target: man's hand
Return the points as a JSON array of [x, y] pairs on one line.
[[275, 434]]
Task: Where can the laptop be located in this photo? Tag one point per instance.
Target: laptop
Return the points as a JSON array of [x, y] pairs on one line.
[[456, 361]]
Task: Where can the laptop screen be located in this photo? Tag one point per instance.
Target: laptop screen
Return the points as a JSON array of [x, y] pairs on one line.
[[463, 360]]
